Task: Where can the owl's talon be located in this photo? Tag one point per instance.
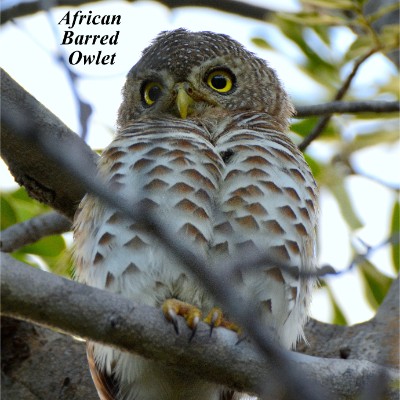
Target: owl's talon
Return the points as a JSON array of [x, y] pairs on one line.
[[173, 307], [172, 317], [193, 333], [215, 319]]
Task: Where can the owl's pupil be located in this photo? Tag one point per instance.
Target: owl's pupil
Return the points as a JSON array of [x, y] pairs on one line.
[[154, 93], [218, 81]]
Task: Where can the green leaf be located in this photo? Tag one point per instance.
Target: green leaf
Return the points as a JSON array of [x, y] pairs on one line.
[[50, 246], [262, 43], [25, 259], [338, 315], [304, 127], [389, 38], [377, 284], [328, 74], [8, 215], [334, 4], [62, 265], [24, 206], [394, 232], [314, 18], [314, 165], [359, 47], [324, 34], [392, 87], [333, 178]]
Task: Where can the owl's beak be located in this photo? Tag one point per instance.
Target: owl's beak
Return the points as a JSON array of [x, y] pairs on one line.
[[183, 99]]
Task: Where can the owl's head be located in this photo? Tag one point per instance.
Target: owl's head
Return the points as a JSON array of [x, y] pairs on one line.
[[192, 74]]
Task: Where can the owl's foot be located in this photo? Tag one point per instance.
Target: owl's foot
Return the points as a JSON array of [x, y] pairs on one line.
[[173, 307], [215, 319]]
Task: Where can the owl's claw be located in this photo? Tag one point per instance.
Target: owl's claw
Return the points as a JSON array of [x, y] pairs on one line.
[[173, 307], [171, 316], [215, 318]]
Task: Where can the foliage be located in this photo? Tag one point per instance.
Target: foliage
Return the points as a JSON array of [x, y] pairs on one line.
[[49, 253], [325, 64]]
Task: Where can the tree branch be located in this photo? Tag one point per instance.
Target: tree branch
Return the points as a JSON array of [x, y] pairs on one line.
[[43, 178], [342, 107], [38, 363], [113, 320], [323, 121], [376, 340], [235, 7], [32, 230]]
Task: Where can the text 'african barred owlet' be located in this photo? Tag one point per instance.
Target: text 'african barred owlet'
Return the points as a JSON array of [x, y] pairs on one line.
[[201, 142]]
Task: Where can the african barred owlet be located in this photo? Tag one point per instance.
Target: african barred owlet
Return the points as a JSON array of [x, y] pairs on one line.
[[201, 143]]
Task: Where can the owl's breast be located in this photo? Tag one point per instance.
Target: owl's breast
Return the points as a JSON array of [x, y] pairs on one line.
[[250, 191], [171, 171]]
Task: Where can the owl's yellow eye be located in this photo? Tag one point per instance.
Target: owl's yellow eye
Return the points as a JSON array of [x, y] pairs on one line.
[[151, 92], [220, 80]]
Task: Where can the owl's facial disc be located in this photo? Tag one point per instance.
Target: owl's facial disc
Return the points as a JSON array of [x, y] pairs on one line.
[[191, 95]]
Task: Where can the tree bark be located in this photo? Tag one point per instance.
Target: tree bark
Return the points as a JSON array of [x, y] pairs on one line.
[[42, 177], [105, 317]]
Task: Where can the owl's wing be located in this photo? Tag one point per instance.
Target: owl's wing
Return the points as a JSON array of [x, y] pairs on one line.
[[106, 384]]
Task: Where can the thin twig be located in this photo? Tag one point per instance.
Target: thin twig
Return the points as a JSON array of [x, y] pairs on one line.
[[323, 122], [32, 230], [235, 7], [342, 107]]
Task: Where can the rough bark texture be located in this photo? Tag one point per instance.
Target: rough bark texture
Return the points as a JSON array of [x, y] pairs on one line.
[[376, 340], [38, 363], [43, 178], [111, 319]]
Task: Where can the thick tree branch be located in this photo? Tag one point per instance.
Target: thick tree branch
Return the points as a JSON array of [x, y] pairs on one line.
[[236, 7], [376, 340], [343, 107], [42, 177], [32, 230], [114, 320], [40, 364]]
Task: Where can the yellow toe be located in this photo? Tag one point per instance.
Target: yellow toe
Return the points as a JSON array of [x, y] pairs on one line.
[[173, 307]]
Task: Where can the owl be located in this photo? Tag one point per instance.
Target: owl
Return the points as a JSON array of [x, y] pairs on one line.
[[202, 144]]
